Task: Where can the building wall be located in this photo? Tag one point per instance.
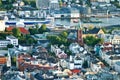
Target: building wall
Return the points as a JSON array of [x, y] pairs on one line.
[[54, 4], [117, 68], [13, 41], [4, 43], [2, 25], [95, 67], [115, 41], [75, 15], [26, 48], [101, 32], [42, 4]]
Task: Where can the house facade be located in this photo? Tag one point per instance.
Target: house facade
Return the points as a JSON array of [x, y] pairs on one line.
[[4, 43], [13, 40]]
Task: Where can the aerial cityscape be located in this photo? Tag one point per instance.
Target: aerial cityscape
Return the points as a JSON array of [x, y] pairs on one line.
[[59, 39]]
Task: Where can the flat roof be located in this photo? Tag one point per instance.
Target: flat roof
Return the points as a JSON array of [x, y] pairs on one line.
[[12, 37]]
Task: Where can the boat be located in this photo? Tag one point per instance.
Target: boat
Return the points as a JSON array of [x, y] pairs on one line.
[[75, 21], [92, 21], [95, 21], [28, 22]]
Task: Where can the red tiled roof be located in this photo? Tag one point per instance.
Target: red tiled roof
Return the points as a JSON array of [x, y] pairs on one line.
[[107, 47], [107, 43], [75, 71], [3, 60], [22, 30]]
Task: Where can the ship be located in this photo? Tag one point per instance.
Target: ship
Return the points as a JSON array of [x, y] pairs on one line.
[[27, 22], [75, 21], [92, 21]]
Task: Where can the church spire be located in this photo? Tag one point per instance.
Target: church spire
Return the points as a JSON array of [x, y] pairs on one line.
[[79, 33]]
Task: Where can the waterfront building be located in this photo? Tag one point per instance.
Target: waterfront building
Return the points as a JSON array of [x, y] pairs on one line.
[[42, 4], [54, 4]]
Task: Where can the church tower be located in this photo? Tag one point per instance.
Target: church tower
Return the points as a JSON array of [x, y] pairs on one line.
[[79, 34]]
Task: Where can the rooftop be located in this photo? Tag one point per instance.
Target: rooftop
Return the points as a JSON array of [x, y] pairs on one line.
[[22, 30], [11, 37]]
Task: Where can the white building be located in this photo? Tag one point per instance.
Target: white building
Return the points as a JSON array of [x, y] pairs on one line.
[[55, 49], [4, 43], [117, 66], [42, 4], [97, 66], [13, 40], [2, 25], [54, 4], [75, 62], [8, 60], [112, 38], [27, 48], [110, 53]]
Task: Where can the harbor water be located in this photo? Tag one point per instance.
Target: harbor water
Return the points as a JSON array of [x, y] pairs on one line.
[[105, 22]]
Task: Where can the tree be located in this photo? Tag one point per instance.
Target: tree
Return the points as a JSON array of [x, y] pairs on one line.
[[30, 2], [104, 30], [30, 41], [60, 3], [91, 40], [80, 2], [16, 32], [88, 2], [64, 34], [42, 29], [33, 31], [10, 46], [13, 60], [60, 39]]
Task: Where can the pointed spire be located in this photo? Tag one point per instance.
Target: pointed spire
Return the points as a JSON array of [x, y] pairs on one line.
[[79, 26]]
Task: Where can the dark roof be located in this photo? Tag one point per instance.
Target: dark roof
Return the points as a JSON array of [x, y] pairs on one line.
[[115, 57], [1, 18], [39, 77], [93, 31], [27, 8], [78, 58]]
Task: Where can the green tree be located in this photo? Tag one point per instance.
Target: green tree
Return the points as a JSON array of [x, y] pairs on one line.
[[10, 46], [13, 60], [33, 3], [88, 2], [16, 32], [42, 29], [91, 40], [30, 2], [104, 30], [60, 3], [80, 2], [30, 41], [33, 31], [27, 2], [64, 34]]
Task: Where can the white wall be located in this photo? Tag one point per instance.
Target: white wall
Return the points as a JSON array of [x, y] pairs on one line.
[[2, 25]]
